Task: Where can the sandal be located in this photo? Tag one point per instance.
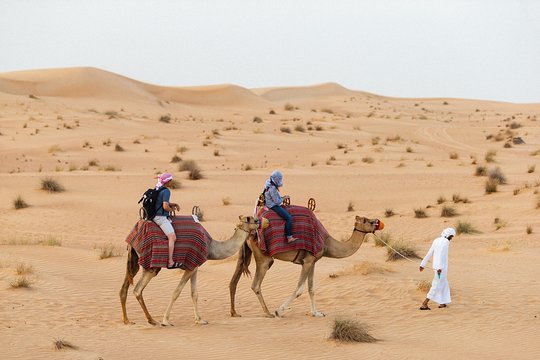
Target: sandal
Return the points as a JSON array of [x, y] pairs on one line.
[[175, 265]]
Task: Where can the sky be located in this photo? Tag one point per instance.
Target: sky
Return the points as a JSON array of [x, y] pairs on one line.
[[483, 49]]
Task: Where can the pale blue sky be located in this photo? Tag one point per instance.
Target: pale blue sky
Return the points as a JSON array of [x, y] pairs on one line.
[[421, 48]]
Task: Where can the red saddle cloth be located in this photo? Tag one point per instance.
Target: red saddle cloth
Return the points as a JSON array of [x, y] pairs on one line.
[[308, 230], [152, 246]]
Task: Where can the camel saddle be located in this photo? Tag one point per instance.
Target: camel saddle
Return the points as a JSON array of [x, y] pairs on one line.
[[151, 244], [306, 228]]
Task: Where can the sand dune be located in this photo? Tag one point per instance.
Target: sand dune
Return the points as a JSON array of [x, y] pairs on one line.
[[103, 137]]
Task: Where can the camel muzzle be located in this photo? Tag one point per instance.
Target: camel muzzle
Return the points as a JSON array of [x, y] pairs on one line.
[[379, 225]]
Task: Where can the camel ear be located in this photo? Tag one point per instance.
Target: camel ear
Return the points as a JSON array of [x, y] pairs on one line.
[[357, 218]]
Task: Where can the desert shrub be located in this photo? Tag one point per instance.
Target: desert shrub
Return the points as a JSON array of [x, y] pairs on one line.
[[110, 168], [375, 140], [480, 171], [454, 155], [368, 160], [441, 200], [93, 162], [61, 344], [288, 107], [247, 167], [23, 269], [409, 149], [448, 211], [529, 229], [350, 207], [423, 285], [456, 198], [465, 227], [383, 238], [165, 118], [531, 169], [19, 203], [389, 212], [108, 251], [499, 223], [272, 112], [20, 282], [490, 156], [348, 330], [51, 241], [285, 129], [216, 152], [51, 185], [319, 128], [328, 111], [187, 165], [226, 201], [497, 175], [181, 149], [176, 159], [118, 147], [420, 213], [300, 128], [341, 146], [515, 125], [195, 174], [402, 248], [257, 119], [491, 186]]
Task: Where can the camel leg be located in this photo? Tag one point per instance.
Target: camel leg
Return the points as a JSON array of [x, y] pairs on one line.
[[233, 284], [131, 270], [141, 284], [263, 264], [123, 298], [311, 290], [306, 268], [187, 275], [195, 298]]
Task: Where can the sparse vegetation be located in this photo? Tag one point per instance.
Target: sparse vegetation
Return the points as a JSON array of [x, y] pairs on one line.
[[165, 118], [119, 148], [19, 203], [402, 248], [176, 159], [368, 160], [454, 155], [285, 129], [216, 152], [375, 140], [288, 107], [480, 171], [491, 186], [497, 175], [93, 162], [409, 149], [423, 285], [499, 223], [383, 238], [389, 212], [531, 169], [20, 282], [441, 200], [348, 330], [420, 213], [529, 229], [50, 185], [257, 119], [50, 241], [108, 251], [465, 227], [61, 344], [456, 198], [490, 156], [300, 128], [23, 269], [448, 211], [350, 207], [226, 201]]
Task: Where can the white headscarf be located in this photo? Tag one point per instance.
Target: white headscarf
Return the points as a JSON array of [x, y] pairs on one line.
[[447, 232]]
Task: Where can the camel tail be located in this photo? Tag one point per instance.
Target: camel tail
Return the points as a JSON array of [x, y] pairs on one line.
[[132, 266], [245, 257]]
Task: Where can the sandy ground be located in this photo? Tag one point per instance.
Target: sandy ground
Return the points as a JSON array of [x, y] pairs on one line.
[[355, 153]]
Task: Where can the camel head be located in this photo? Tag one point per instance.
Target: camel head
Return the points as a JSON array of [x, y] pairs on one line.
[[366, 225], [250, 223]]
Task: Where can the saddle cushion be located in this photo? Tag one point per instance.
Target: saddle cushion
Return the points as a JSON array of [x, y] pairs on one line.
[[152, 246], [308, 230]]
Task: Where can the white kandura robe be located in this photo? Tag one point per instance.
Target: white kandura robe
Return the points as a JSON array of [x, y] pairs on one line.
[[440, 289]]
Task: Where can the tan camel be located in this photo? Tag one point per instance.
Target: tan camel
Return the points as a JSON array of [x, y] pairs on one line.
[[332, 248], [217, 250]]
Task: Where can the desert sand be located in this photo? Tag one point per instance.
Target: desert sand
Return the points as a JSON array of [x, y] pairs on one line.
[[356, 153]]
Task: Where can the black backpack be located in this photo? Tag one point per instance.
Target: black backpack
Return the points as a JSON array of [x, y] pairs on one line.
[[149, 199]]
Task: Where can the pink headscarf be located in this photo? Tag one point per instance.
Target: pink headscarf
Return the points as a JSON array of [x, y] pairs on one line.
[[163, 179]]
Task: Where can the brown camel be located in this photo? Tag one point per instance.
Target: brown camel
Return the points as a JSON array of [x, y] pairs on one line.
[[332, 248], [217, 250]]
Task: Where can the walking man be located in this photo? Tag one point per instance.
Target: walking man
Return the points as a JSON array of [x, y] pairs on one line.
[[440, 290]]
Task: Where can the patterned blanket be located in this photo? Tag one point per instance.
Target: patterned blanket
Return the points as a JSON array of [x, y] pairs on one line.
[[306, 228], [151, 244]]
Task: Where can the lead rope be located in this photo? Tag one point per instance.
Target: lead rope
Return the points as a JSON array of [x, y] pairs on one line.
[[397, 252]]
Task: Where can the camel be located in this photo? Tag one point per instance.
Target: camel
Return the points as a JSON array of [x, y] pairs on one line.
[[332, 248], [217, 250]]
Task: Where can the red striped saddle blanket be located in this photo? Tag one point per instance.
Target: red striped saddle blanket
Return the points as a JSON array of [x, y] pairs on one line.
[[306, 228], [151, 244]]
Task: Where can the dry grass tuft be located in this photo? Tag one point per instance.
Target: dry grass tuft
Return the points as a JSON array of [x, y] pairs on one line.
[[21, 282], [490, 156], [285, 129], [529, 229], [501, 246], [420, 213], [491, 186], [350, 207], [108, 251], [403, 248], [61, 344], [423, 285], [50, 241], [389, 212], [497, 175], [194, 172], [480, 171], [51, 185], [19, 203], [348, 330], [23, 269], [226, 201], [384, 236], [448, 211], [465, 227]]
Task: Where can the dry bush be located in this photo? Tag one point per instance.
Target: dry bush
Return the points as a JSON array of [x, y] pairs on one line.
[[23, 269], [108, 251], [456, 198], [54, 149], [176, 159], [288, 107], [257, 119], [328, 111], [529, 229], [531, 169], [499, 223], [272, 112], [364, 268], [165, 118], [423, 285], [216, 152], [348, 330], [61, 344], [50, 241], [480, 171], [226, 201], [497, 175], [181, 149], [300, 128], [448, 211], [465, 227], [389, 212], [375, 140], [368, 160], [402, 248], [501, 246], [93, 162], [51, 185], [21, 282], [319, 128], [491, 186], [110, 168], [409, 149], [19, 203], [285, 129], [350, 207], [420, 213], [490, 156], [454, 155], [383, 238], [193, 169], [118, 148], [441, 200]]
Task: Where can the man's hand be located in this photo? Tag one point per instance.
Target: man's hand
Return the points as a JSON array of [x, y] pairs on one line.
[[439, 272]]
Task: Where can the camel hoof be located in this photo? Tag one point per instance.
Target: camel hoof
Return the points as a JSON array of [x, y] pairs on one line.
[[201, 322], [127, 322], [235, 315], [166, 323], [153, 322], [270, 316], [318, 314], [279, 313]]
